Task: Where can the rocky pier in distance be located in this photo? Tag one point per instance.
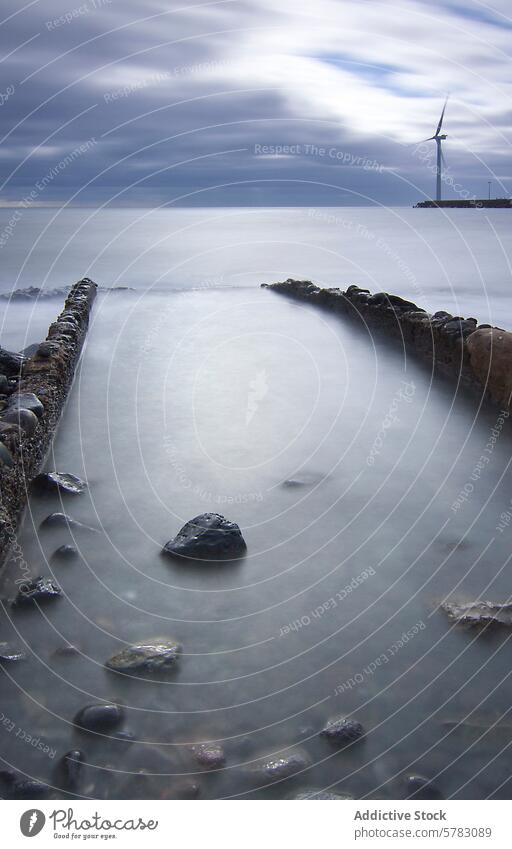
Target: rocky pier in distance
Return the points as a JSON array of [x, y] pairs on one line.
[[33, 392], [478, 357]]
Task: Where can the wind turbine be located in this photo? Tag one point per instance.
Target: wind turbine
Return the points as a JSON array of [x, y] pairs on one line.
[[439, 137]]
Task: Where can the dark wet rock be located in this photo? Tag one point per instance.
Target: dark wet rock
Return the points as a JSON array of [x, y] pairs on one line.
[[324, 795], [37, 591], [209, 755], [62, 520], [99, 717], [26, 401], [47, 349], [71, 769], [479, 613], [185, 790], [25, 419], [65, 553], [207, 537], [342, 731], [10, 654], [382, 299], [279, 767], [67, 650], [62, 482], [7, 777], [29, 789], [151, 656], [6, 458], [419, 787], [4, 385], [10, 363]]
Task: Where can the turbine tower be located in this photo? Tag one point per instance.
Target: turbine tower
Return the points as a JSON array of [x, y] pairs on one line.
[[439, 137]]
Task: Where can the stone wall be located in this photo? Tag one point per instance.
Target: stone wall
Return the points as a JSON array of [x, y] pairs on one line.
[[479, 357], [33, 392]]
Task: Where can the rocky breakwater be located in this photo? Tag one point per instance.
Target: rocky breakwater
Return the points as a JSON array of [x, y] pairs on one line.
[[478, 357], [33, 391]]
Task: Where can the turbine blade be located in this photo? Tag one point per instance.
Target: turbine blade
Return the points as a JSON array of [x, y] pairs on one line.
[[430, 138], [441, 118]]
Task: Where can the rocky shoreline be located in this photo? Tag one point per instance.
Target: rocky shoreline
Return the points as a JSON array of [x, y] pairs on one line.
[[476, 356], [33, 392]]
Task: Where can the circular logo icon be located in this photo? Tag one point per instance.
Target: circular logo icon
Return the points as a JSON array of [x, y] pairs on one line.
[[32, 822]]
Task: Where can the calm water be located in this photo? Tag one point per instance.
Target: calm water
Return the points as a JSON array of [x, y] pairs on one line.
[[190, 401]]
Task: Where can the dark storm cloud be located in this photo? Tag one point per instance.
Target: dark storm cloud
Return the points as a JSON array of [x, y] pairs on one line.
[[155, 100]]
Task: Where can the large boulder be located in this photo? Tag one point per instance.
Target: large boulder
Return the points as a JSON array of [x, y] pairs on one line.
[[490, 356], [209, 536]]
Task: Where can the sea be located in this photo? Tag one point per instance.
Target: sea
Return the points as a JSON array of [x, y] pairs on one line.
[[356, 478]]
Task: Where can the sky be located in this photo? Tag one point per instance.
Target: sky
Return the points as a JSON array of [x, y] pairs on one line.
[[252, 102]]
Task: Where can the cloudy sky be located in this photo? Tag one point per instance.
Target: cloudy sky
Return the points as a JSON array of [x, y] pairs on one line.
[[252, 102]]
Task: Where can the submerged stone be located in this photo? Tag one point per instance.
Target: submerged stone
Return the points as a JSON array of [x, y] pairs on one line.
[[479, 613], [151, 656], [209, 755], [277, 768], [324, 795], [63, 482], [99, 717], [419, 787], [62, 520], [342, 731], [209, 536], [37, 591], [29, 789], [71, 767], [65, 552]]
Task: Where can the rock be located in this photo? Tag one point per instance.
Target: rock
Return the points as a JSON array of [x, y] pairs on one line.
[[342, 731], [4, 385], [277, 768], [304, 479], [5, 456], [9, 654], [26, 401], [62, 482], [10, 363], [490, 355], [152, 656], [207, 537], [71, 768], [419, 787], [99, 717], [25, 419], [479, 613], [28, 789], [185, 790], [47, 349], [209, 755], [37, 591], [67, 650], [62, 520], [65, 552], [324, 795]]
